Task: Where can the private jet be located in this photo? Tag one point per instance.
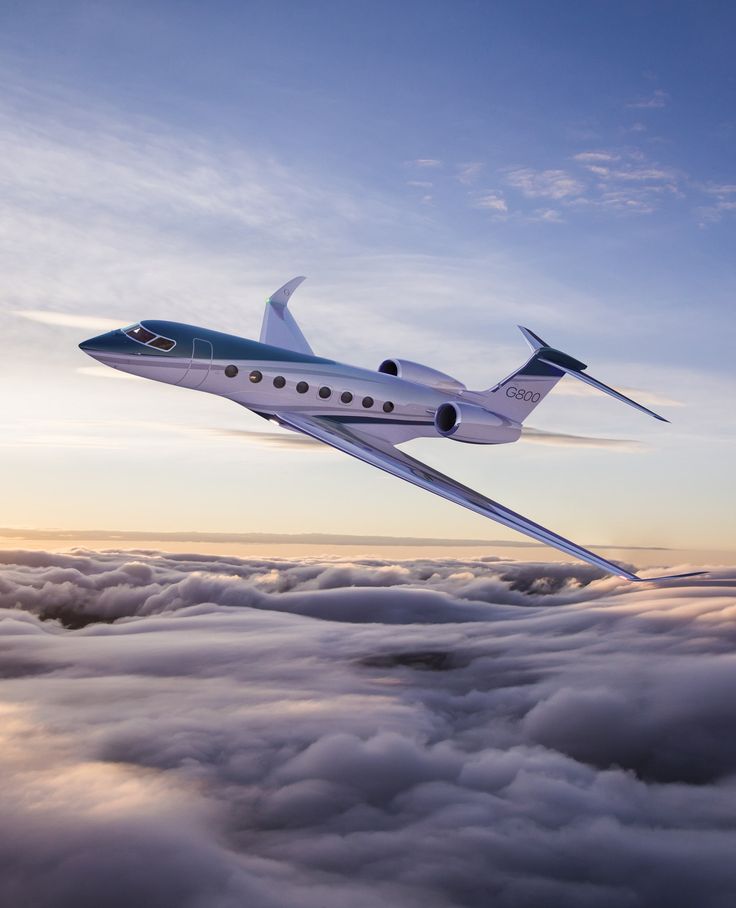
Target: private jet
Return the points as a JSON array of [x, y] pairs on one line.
[[361, 412]]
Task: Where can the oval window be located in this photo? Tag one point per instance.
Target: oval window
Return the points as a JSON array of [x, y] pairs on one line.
[[255, 376], [302, 387], [367, 402], [388, 407], [325, 392], [231, 371], [346, 397], [279, 381]]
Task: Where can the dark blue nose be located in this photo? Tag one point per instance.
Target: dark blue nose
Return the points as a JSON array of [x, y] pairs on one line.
[[110, 342]]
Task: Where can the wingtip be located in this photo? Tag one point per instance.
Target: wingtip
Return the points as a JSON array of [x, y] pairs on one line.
[[281, 296], [669, 577]]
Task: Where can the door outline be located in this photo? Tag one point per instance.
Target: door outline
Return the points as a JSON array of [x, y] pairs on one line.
[[203, 363]]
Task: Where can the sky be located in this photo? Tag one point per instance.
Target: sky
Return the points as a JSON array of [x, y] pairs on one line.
[[441, 172], [240, 668]]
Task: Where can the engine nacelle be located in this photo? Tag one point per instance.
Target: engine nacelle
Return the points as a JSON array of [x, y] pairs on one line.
[[474, 425], [420, 375]]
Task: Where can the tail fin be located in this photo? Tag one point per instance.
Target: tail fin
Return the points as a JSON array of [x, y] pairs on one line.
[[519, 393]]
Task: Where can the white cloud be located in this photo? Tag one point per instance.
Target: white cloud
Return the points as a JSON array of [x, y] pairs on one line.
[[720, 189], [723, 203], [626, 181], [595, 157], [539, 436], [68, 320], [493, 201], [468, 173], [547, 215], [656, 100], [549, 184], [425, 162], [107, 372], [329, 732]]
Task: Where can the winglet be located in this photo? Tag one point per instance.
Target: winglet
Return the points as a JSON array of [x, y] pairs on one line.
[[279, 327], [282, 296]]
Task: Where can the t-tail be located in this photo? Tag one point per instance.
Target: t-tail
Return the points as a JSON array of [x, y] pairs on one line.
[[519, 393]]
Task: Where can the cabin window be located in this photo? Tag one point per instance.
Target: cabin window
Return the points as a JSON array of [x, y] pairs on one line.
[[388, 407], [346, 397], [325, 392], [367, 402], [255, 376], [279, 381], [302, 387], [231, 371]]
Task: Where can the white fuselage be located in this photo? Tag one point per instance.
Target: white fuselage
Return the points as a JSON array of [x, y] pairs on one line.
[[268, 386]]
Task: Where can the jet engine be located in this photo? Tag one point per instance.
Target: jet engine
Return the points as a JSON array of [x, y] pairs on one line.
[[474, 425], [420, 375]]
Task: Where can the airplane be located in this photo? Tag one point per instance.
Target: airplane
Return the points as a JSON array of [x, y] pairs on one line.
[[358, 411]]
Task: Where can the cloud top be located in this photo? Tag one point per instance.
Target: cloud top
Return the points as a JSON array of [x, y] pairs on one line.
[[278, 733]]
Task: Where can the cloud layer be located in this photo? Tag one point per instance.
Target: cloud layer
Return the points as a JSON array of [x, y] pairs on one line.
[[218, 732]]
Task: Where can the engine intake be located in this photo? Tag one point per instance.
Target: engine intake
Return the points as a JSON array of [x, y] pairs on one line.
[[474, 425], [420, 375]]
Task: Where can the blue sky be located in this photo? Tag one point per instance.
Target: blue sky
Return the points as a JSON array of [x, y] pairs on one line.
[[441, 172]]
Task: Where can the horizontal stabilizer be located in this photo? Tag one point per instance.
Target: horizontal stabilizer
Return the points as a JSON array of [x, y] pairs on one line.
[[589, 380]]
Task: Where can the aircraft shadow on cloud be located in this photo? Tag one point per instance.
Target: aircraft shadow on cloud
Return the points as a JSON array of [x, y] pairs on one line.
[[358, 411]]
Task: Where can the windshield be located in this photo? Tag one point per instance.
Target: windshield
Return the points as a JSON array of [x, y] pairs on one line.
[[144, 336]]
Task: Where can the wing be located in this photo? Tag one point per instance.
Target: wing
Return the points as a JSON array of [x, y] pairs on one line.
[[380, 454], [279, 328]]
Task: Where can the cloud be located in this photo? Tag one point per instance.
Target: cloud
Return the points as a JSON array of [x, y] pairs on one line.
[[547, 184], [468, 173], [657, 100], [626, 181], [425, 162], [539, 436], [107, 372], [223, 731], [494, 202], [283, 439], [547, 216], [596, 157], [723, 202], [67, 320], [578, 389], [194, 537], [105, 214]]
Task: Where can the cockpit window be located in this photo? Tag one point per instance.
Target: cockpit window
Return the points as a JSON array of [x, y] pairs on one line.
[[161, 343], [144, 336], [140, 334]]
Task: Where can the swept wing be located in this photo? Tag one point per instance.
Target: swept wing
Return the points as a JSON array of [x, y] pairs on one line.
[[379, 453]]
